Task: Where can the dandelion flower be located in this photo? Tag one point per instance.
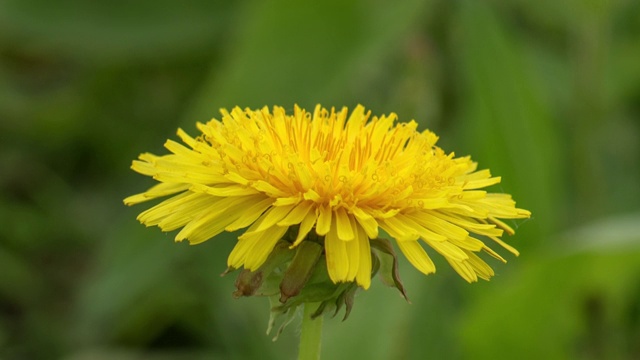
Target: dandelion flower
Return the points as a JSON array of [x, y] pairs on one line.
[[340, 176]]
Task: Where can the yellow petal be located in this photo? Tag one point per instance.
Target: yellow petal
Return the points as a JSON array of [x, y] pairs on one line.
[[297, 214], [270, 190], [324, 220], [502, 225], [464, 269], [469, 243], [419, 229], [368, 223], [180, 149], [398, 229], [154, 215], [344, 225], [337, 256], [143, 167], [470, 224], [223, 191], [305, 226], [417, 256], [213, 220], [353, 254], [481, 183], [262, 248], [274, 215], [159, 190], [439, 226], [363, 276], [447, 249], [510, 248], [250, 214], [494, 254], [291, 200], [480, 267], [237, 256], [184, 212]]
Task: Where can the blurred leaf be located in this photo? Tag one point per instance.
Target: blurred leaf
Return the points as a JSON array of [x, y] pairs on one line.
[[305, 53], [617, 233], [19, 282], [114, 30], [129, 268], [378, 318], [578, 302], [505, 124], [625, 52]]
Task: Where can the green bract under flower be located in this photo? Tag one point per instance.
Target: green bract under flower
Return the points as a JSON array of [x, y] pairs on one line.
[[339, 176]]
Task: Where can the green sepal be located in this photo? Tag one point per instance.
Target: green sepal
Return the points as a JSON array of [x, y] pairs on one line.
[[289, 315], [250, 282], [247, 283], [389, 273], [291, 277], [300, 270]]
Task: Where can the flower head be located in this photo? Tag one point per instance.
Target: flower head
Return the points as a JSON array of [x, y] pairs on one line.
[[340, 176]]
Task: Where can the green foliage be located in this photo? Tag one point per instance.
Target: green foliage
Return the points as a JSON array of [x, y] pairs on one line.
[[579, 298], [543, 93]]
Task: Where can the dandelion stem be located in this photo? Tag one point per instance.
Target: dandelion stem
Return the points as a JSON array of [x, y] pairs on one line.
[[310, 337]]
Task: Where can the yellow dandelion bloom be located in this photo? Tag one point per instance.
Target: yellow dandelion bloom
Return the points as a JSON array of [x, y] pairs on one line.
[[343, 176]]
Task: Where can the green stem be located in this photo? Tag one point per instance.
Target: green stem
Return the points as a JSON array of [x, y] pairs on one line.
[[310, 337]]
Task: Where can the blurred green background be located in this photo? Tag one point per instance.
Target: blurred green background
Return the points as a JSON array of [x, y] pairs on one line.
[[545, 93]]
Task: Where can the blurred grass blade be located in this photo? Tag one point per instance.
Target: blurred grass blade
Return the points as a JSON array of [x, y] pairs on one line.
[[581, 303], [305, 53], [113, 31], [506, 125]]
